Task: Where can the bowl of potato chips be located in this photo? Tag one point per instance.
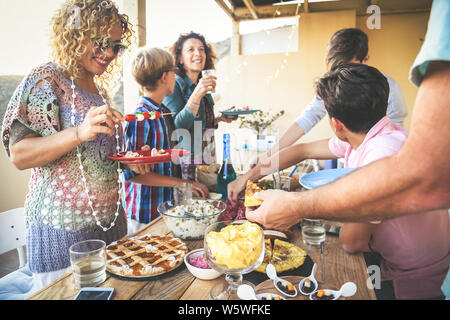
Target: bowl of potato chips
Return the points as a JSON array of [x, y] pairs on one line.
[[233, 248]]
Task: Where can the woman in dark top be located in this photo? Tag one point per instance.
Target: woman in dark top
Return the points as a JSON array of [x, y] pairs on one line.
[[192, 104]]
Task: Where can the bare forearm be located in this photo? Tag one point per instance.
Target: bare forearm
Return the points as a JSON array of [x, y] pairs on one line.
[[279, 161], [369, 193], [292, 134], [156, 180], [414, 180], [36, 151], [290, 156], [355, 237]]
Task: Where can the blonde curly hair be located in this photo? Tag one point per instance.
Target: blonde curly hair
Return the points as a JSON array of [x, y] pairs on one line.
[[74, 24]]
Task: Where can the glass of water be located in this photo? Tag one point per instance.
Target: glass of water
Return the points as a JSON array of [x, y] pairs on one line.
[[313, 231], [283, 183], [88, 260], [182, 194], [208, 73]]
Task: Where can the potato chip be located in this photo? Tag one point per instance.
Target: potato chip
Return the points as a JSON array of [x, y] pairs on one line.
[[237, 245]]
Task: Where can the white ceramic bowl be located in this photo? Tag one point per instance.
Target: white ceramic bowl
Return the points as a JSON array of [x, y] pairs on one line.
[[203, 274], [215, 196]]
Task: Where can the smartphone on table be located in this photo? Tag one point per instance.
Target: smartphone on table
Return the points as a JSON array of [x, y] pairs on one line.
[[93, 293]]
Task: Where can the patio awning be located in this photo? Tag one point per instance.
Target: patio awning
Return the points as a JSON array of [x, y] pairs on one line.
[[239, 10]]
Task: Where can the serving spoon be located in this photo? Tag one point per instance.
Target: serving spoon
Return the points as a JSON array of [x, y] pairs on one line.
[[246, 292], [348, 289], [313, 281], [187, 214], [272, 274]]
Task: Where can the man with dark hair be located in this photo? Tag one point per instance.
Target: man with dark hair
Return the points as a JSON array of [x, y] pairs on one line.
[[355, 94], [346, 45]]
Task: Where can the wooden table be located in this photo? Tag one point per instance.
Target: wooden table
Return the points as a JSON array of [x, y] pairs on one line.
[[340, 268]]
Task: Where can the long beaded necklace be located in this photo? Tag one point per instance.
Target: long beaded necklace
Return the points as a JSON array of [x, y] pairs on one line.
[[83, 177]]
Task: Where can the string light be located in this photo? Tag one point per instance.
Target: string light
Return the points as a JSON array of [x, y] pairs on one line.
[[276, 74]]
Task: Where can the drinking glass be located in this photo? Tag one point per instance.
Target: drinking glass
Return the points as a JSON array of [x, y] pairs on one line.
[[283, 183], [314, 234], [182, 194], [88, 260], [208, 73], [227, 290], [313, 231]]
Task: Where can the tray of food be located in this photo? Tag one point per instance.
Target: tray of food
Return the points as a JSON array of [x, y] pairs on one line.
[[148, 156], [239, 111]]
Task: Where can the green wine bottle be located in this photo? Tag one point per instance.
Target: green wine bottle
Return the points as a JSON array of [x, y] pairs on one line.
[[226, 173]]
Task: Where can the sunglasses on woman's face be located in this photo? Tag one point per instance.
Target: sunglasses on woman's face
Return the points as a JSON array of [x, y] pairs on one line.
[[106, 43]]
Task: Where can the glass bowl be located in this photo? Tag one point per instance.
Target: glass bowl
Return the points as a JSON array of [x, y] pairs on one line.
[[241, 262], [189, 221]]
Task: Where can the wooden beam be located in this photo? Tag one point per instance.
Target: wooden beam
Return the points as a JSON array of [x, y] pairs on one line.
[[399, 11], [251, 7], [306, 6], [235, 49], [142, 22], [136, 11], [290, 10], [226, 9], [265, 12]]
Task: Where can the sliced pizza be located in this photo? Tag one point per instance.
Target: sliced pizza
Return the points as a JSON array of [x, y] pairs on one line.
[[287, 256], [267, 256], [283, 255], [250, 190]]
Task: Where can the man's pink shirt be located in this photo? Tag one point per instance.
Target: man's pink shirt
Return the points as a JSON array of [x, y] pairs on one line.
[[415, 248], [384, 139]]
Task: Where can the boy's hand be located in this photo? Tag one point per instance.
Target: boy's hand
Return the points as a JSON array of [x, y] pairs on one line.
[[235, 187], [141, 169], [200, 189]]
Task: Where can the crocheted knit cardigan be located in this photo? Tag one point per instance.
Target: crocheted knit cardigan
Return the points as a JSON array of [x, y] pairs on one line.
[[56, 207]]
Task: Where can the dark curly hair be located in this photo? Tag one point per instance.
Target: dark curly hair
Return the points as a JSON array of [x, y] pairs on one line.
[[177, 48], [355, 94]]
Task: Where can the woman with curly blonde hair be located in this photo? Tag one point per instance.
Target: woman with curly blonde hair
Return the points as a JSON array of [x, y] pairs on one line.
[[59, 124]]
